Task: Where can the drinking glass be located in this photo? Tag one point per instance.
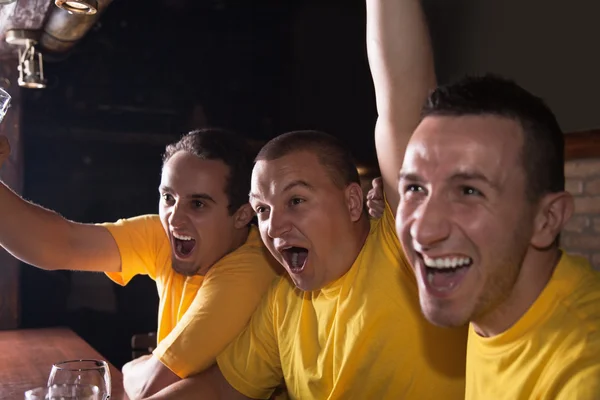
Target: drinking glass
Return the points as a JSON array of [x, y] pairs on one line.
[[4, 103], [82, 372], [64, 392]]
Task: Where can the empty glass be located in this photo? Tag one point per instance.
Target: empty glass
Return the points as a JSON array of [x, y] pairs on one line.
[[64, 392], [82, 372], [4, 103]]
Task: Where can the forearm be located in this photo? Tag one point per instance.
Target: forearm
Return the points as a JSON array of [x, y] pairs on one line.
[[208, 385], [31, 233], [400, 55], [45, 239], [146, 376]]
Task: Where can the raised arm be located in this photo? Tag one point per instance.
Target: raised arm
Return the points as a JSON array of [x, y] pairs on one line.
[[45, 239], [401, 62]]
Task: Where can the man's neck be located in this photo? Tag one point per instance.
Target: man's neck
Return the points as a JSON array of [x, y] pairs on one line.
[[536, 271], [353, 244], [240, 238]]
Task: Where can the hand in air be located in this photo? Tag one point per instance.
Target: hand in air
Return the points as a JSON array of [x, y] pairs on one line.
[[4, 149], [375, 201]]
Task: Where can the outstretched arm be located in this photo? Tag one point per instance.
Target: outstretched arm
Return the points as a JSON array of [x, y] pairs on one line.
[[45, 239], [401, 62]]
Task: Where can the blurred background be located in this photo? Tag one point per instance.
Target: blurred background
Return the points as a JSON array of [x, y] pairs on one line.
[[147, 71]]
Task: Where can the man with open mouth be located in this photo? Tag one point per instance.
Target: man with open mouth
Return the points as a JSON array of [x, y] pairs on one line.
[[482, 205], [210, 266], [345, 322], [483, 201]]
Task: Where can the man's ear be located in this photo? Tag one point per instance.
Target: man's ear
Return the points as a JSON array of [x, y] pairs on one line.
[[355, 201], [553, 213], [243, 216]]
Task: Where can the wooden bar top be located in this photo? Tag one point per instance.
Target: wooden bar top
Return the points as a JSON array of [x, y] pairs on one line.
[[26, 357]]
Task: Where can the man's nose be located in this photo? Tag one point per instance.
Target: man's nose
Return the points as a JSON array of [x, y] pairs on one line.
[[431, 222], [177, 215], [278, 224]]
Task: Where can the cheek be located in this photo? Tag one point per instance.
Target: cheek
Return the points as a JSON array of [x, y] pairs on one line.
[[211, 223], [483, 228], [404, 215], [163, 216]]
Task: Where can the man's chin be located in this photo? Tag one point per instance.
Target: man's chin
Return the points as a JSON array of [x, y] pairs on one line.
[[186, 269], [446, 317]]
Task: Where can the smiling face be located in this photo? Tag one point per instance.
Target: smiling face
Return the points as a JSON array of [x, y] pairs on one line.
[[305, 220], [464, 219], [193, 211]]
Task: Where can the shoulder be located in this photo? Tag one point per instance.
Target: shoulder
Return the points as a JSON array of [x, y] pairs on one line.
[[383, 242], [579, 294], [149, 223], [251, 261]]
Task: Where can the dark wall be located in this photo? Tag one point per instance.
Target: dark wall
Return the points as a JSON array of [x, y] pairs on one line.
[[93, 139]]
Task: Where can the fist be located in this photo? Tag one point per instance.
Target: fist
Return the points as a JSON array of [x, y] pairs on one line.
[[375, 200], [4, 149]]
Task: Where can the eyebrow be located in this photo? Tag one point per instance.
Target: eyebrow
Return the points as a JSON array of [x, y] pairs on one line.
[[194, 196], [298, 182], [409, 176], [457, 176], [288, 187], [473, 176]]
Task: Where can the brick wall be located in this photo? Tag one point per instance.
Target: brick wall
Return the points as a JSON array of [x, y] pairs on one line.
[[582, 233]]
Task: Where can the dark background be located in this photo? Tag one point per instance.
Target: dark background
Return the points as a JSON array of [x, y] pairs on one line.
[[150, 70]]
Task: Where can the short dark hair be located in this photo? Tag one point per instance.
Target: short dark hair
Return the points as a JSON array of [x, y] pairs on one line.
[[329, 151], [226, 146], [543, 142]]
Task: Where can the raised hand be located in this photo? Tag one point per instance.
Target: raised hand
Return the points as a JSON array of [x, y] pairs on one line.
[[375, 200]]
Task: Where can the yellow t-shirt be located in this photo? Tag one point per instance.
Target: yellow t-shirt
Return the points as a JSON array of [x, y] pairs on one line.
[[361, 337], [198, 315], [552, 352]]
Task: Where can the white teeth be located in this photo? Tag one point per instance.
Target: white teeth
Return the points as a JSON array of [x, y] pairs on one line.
[[295, 260], [444, 263], [182, 237]]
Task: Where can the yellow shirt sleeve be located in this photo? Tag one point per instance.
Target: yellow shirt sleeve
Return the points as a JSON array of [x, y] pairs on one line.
[[388, 228], [143, 246], [251, 363], [223, 306]]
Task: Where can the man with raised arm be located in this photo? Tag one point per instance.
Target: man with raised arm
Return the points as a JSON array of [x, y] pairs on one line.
[[483, 201], [209, 264], [345, 322]]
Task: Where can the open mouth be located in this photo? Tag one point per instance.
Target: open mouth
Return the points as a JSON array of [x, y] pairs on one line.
[[183, 245], [444, 274], [295, 258]]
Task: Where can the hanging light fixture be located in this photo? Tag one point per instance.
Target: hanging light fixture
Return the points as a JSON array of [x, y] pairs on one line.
[[31, 64], [78, 6]]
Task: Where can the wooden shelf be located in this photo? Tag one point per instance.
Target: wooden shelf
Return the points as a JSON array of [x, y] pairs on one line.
[[585, 144]]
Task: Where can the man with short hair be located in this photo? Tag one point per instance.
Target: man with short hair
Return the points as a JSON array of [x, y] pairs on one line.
[[345, 321], [209, 264], [482, 204]]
